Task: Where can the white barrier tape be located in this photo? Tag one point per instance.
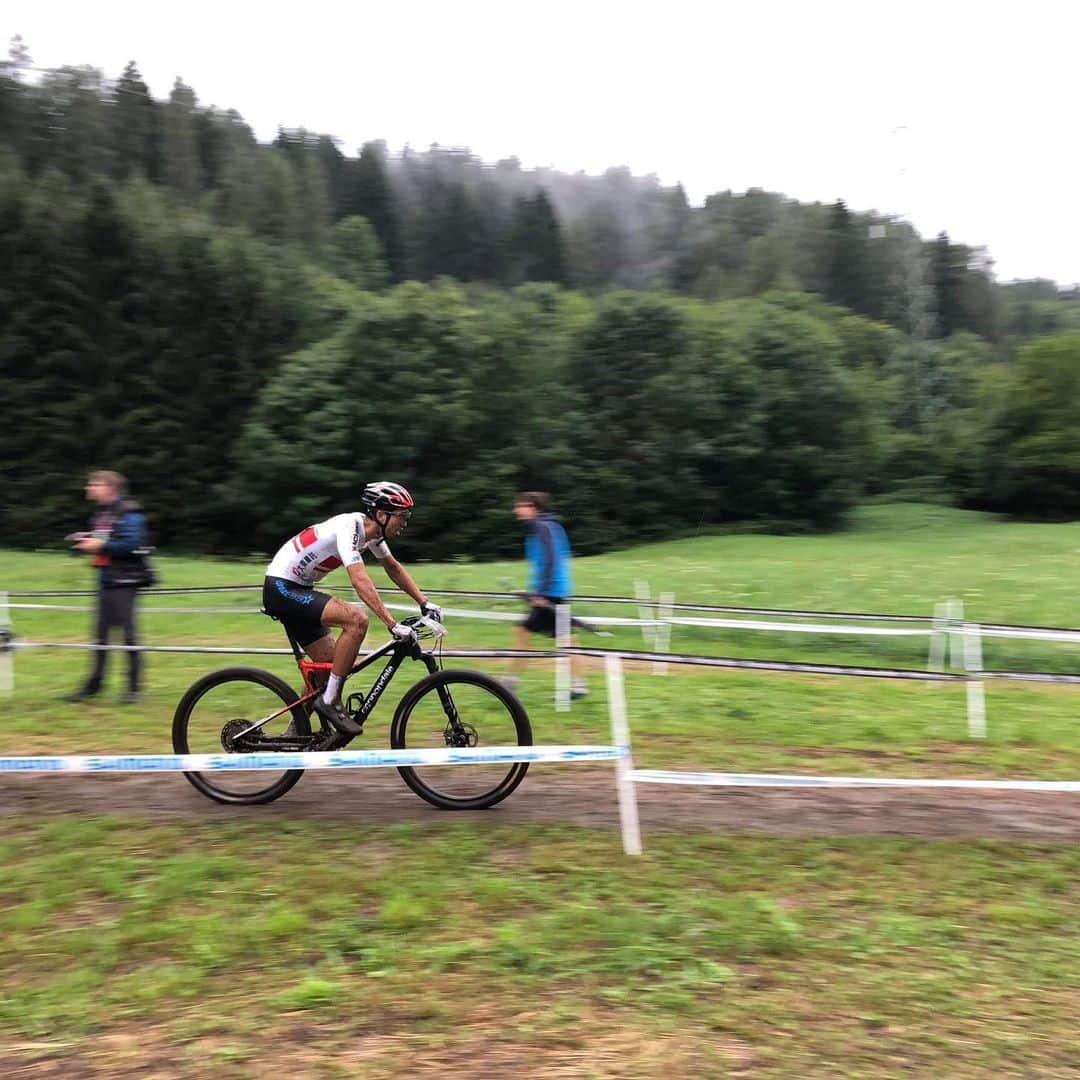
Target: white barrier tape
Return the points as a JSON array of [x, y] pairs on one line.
[[223, 649], [781, 665], [642, 657], [185, 591], [147, 609], [479, 594], [1028, 676], [660, 776], [257, 651], [796, 628], [729, 610], [498, 616], [998, 630], [1029, 633], [1019, 633], [335, 759], [586, 599], [7, 652]]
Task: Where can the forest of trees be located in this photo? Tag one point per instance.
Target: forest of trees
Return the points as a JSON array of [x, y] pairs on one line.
[[252, 331]]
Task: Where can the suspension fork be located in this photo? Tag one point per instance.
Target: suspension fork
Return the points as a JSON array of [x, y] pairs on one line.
[[447, 701]]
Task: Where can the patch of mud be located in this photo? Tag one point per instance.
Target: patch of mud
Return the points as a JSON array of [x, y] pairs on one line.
[[576, 795]]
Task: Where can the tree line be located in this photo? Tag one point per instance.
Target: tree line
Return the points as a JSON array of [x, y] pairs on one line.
[[253, 331], [443, 212]]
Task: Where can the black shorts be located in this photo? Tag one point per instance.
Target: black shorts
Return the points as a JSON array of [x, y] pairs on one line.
[[541, 617], [297, 607]]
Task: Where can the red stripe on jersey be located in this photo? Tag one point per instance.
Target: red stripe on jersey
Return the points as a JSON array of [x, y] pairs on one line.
[[328, 564], [307, 537]]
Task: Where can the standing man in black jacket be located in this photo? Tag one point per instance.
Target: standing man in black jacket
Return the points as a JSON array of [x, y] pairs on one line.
[[115, 541]]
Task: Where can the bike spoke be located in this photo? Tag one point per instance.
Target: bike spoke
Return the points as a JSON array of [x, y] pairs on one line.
[[460, 714], [222, 718]]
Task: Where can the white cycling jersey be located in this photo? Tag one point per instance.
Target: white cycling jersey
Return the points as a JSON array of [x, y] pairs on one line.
[[310, 555]]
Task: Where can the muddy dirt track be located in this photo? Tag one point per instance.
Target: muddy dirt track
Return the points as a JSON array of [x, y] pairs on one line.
[[575, 795]]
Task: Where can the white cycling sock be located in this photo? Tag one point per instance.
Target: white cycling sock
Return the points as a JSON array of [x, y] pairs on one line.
[[333, 689]]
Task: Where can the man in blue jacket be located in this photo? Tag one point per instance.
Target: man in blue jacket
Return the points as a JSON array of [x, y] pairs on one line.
[[115, 541], [547, 551]]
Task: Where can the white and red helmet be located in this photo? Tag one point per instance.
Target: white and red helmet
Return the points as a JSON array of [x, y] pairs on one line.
[[388, 496]]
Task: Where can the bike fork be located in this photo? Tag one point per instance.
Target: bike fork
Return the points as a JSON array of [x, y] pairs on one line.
[[452, 719]]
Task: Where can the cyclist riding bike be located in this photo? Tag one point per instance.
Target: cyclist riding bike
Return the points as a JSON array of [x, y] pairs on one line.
[[289, 593]]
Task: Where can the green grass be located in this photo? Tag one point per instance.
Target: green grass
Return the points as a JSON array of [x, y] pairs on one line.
[[456, 946], [459, 938]]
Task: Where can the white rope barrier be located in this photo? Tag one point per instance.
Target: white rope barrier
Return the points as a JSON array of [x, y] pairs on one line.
[[774, 780], [738, 663], [619, 751], [998, 629], [656, 621], [934, 627], [7, 656], [627, 776], [335, 759], [797, 628], [585, 599], [255, 650], [934, 630]]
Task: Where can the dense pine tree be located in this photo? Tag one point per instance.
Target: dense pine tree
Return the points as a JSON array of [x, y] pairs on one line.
[[136, 128]]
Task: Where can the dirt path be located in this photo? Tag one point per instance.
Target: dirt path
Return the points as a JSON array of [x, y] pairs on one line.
[[577, 795]]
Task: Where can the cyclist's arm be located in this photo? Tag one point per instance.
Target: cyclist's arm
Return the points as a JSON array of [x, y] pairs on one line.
[[365, 589], [400, 577]]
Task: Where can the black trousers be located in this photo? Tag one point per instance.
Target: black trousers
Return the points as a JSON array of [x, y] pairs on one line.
[[115, 607]]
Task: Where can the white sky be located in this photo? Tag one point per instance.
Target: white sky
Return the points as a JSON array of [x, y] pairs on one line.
[[959, 115]]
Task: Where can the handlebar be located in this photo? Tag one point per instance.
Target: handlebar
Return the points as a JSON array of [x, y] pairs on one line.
[[425, 626]]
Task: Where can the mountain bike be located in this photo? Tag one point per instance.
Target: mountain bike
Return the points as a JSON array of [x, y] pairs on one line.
[[247, 710]]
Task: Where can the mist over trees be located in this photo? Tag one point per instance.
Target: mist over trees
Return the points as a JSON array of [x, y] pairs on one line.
[[253, 330]]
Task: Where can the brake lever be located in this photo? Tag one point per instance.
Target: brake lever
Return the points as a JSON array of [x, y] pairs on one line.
[[436, 627]]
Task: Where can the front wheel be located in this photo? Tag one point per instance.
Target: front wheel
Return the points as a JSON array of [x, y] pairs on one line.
[[458, 709], [213, 713]]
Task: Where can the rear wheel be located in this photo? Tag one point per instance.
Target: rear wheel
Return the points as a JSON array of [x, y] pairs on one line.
[[458, 709], [213, 714]]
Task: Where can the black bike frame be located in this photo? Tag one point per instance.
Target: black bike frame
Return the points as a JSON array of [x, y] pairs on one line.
[[399, 652]]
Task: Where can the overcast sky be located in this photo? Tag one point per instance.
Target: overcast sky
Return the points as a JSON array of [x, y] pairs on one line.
[[959, 115]]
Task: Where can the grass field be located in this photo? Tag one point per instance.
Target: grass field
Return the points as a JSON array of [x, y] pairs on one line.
[[462, 947]]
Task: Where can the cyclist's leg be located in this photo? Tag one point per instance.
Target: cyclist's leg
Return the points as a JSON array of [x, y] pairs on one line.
[[299, 609], [353, 622], [321, 650]]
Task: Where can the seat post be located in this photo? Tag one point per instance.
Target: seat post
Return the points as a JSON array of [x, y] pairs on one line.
[[297, 651]]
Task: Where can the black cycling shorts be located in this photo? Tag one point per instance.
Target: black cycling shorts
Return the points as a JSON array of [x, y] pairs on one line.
[[541, 617], [297, 607]]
